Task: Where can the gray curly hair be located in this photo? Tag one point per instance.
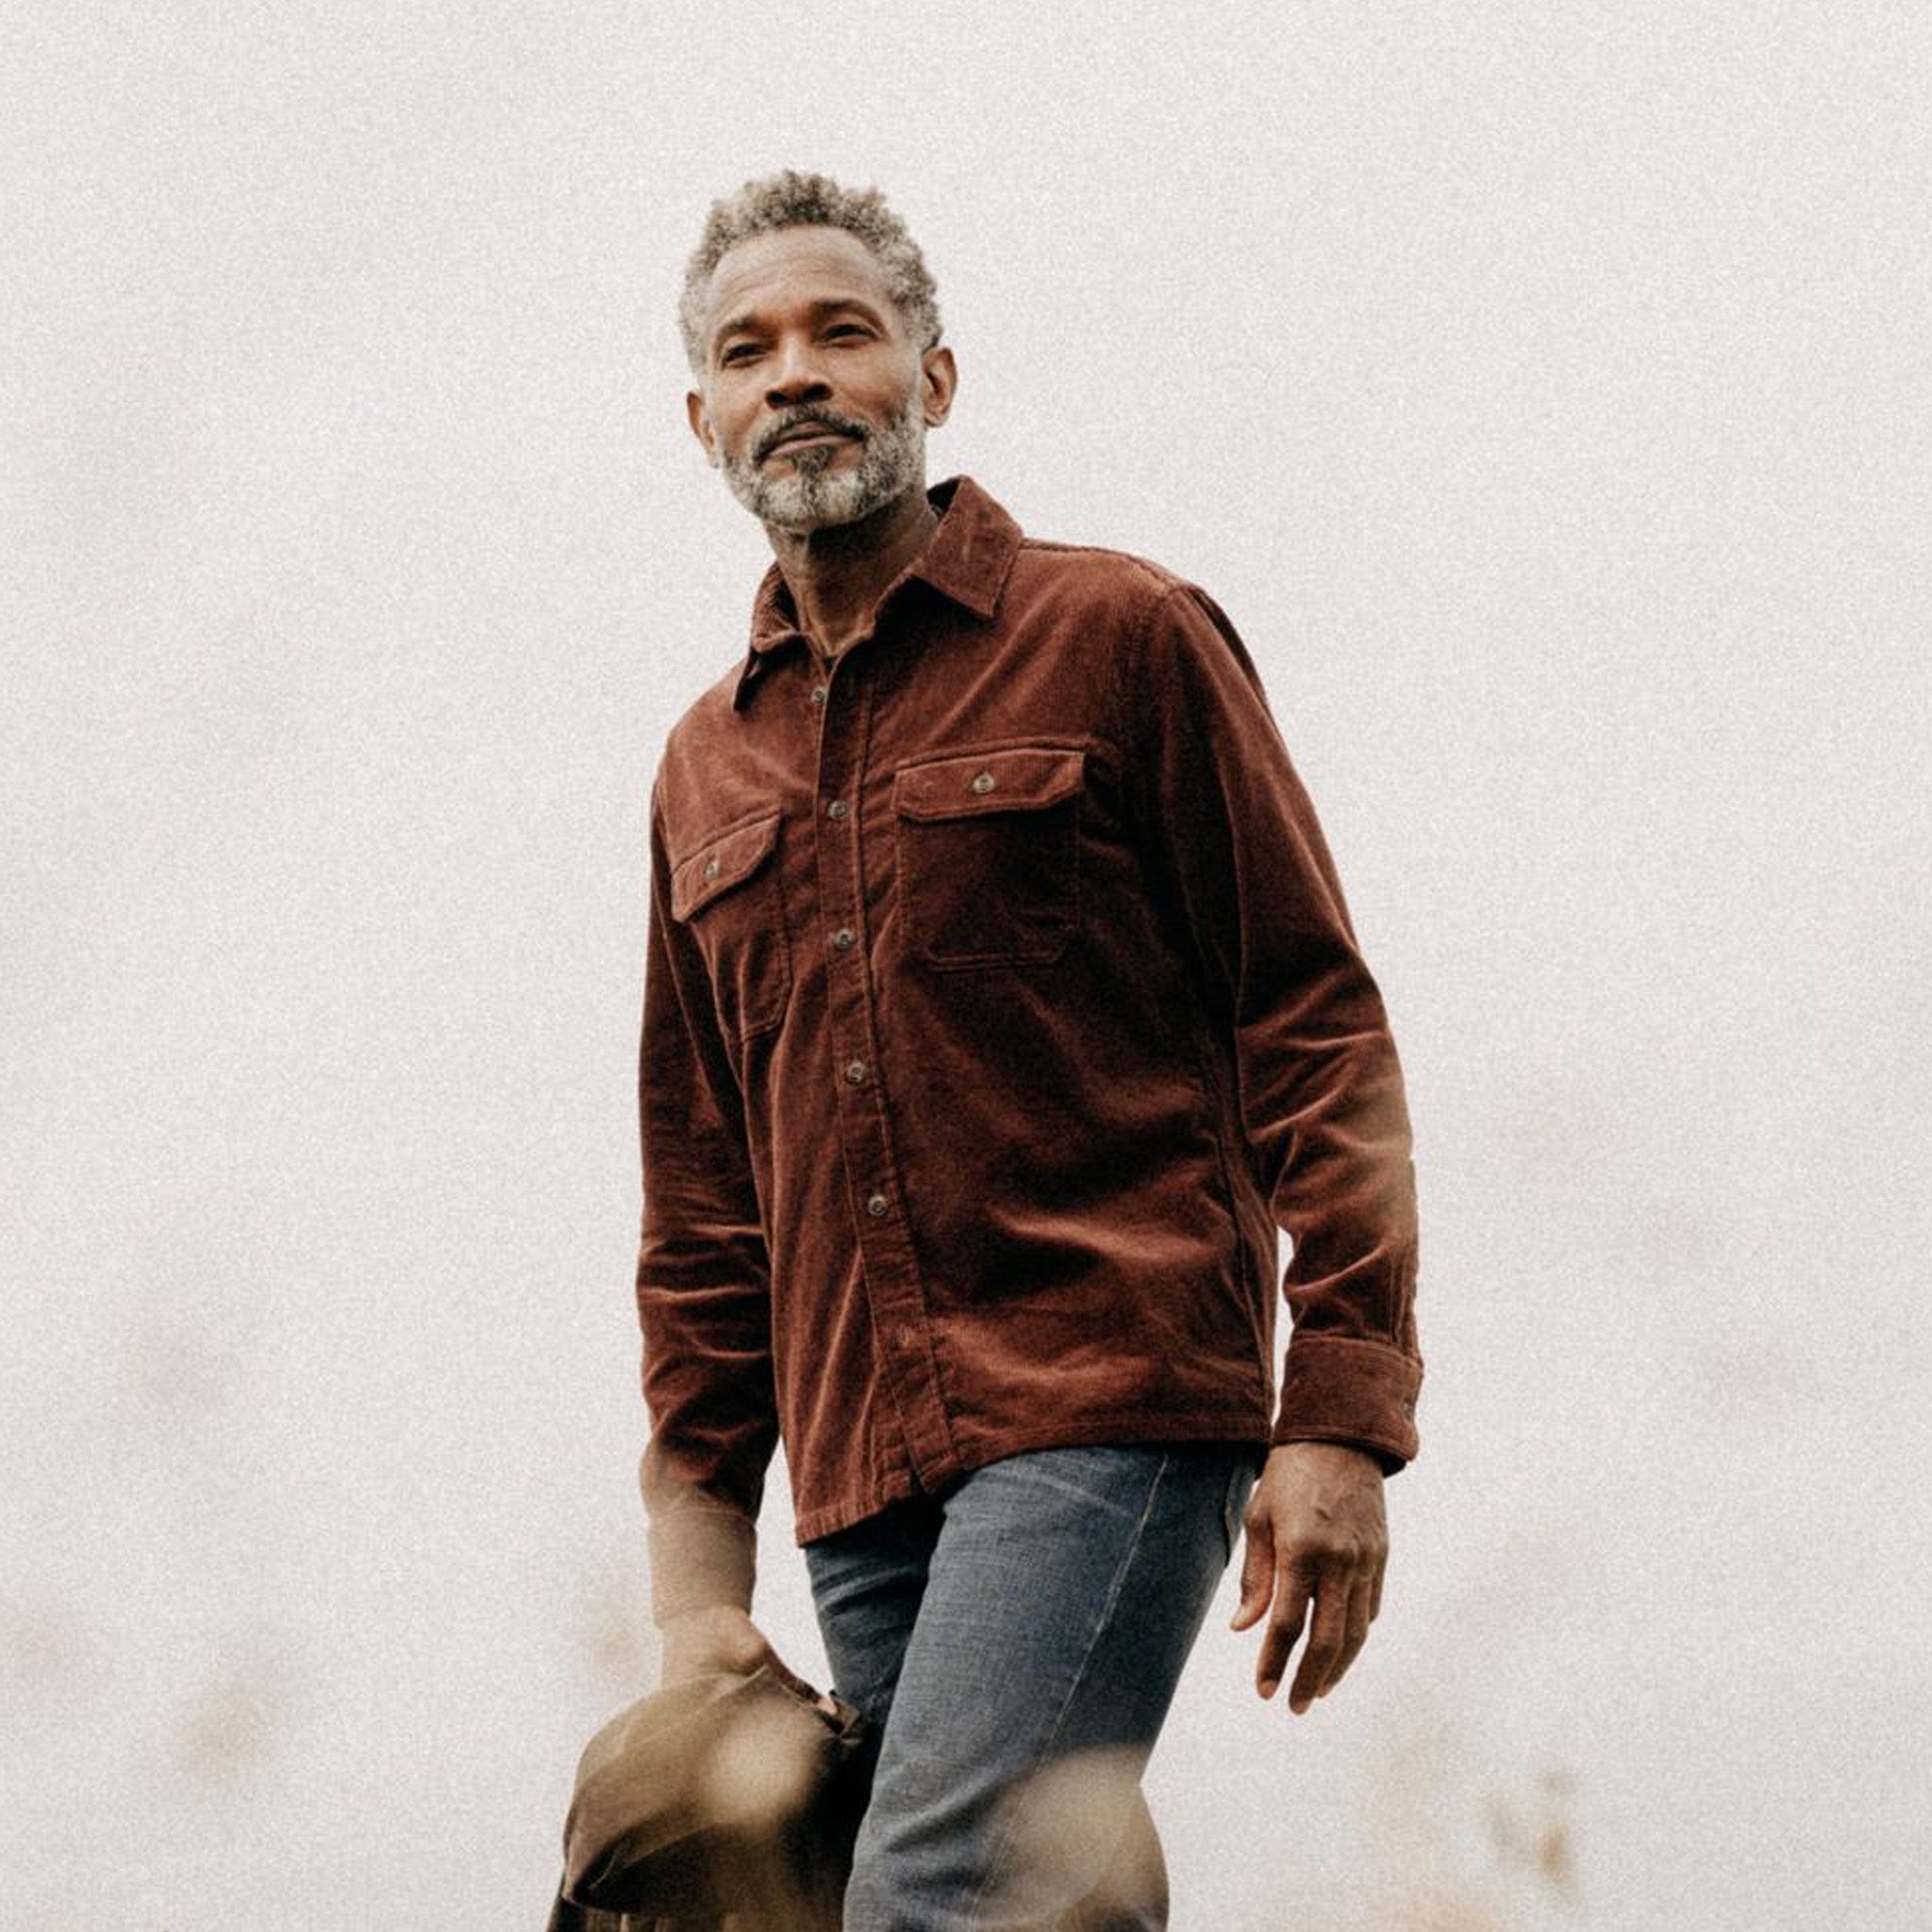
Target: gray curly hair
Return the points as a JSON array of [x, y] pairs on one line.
[[793, 200]]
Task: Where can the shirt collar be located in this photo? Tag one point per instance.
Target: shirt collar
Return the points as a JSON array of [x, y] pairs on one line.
[[966, 560]]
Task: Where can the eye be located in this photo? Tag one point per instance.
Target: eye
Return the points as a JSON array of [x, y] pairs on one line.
[[848, 331], [737, 353]]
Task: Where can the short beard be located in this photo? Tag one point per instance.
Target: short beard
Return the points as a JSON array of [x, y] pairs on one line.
[[891, 462]]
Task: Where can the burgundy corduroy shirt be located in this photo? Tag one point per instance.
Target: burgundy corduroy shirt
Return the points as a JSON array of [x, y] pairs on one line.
[[1001, 1006]]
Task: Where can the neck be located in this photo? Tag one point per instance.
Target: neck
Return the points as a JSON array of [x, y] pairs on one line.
[[837, 575]]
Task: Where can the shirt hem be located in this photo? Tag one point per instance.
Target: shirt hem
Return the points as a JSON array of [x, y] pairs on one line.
[[972, 1452]]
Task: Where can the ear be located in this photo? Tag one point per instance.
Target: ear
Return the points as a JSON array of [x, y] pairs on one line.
[[700, 419], [938, 379]]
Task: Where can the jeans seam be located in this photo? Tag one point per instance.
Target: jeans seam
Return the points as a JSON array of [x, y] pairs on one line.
[[996, 1851], [1238, 1483]]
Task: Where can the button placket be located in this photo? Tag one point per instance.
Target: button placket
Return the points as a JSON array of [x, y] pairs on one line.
[[893, 1287]]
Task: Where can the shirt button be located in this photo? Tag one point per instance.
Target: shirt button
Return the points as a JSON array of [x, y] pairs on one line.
[[817, 693], [876, 1205], [855, 1071], [984, 782], [844, 938], [711, 869], [837, 810]]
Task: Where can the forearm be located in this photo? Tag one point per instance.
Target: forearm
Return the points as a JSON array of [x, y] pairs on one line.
[[706, 1325], [1345, 1189], [703, 1287], [701, 1558], [1236, 854]]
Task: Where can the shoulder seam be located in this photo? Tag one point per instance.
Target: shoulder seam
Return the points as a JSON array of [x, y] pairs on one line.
[[1158, 574]]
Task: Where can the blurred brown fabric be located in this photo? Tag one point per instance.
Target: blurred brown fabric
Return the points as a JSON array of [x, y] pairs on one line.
[[729, 1804], [722, 1803]]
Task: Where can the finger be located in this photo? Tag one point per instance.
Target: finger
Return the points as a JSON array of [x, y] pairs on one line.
[[1257, 1574], [1284, 1626], [1355, 1634], [1328, 1629], [788, 1677]]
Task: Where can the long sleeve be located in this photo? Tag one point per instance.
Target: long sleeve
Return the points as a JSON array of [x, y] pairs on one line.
[[703, 1283], [1236, 857]]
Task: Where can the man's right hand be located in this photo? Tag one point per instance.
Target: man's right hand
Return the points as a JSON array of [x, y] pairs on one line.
[[721, 1636]]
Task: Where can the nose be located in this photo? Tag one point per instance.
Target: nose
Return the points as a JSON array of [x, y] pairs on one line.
[[795, 377]]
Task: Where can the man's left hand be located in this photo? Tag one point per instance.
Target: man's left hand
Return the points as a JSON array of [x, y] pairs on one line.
[[1316, 1545]]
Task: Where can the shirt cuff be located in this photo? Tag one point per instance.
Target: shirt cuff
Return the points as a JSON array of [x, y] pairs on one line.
[[701, 1558], [1336, 1388]]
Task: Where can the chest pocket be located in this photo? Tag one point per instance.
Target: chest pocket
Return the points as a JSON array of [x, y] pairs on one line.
[[989, 855], [726, 891]]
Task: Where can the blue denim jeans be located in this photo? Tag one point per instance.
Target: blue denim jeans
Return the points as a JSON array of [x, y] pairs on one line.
[[1016, 1639]]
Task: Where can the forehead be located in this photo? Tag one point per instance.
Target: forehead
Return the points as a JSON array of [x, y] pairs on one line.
[[795, 268]]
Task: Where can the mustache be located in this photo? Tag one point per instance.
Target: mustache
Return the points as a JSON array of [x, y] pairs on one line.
[[798, 418]]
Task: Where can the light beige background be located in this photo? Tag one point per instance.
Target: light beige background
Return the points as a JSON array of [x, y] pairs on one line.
[[1544, 389]]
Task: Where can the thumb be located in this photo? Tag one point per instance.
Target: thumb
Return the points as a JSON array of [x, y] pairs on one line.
[[1257, 1574], [788, 1677]]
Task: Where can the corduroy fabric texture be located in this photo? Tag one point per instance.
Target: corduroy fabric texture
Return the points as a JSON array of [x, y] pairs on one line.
[[1001, 1010]]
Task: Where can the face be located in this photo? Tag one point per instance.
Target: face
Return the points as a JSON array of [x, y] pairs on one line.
[[814, 401]]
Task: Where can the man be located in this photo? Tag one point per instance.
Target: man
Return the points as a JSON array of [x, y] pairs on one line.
[[1001, 1002]]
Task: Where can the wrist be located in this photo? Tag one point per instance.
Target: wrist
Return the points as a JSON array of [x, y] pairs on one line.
[[1336, 1453]]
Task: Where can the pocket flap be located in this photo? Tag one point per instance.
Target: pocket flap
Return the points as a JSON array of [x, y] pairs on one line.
[[1018, 778], [720, 862]]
